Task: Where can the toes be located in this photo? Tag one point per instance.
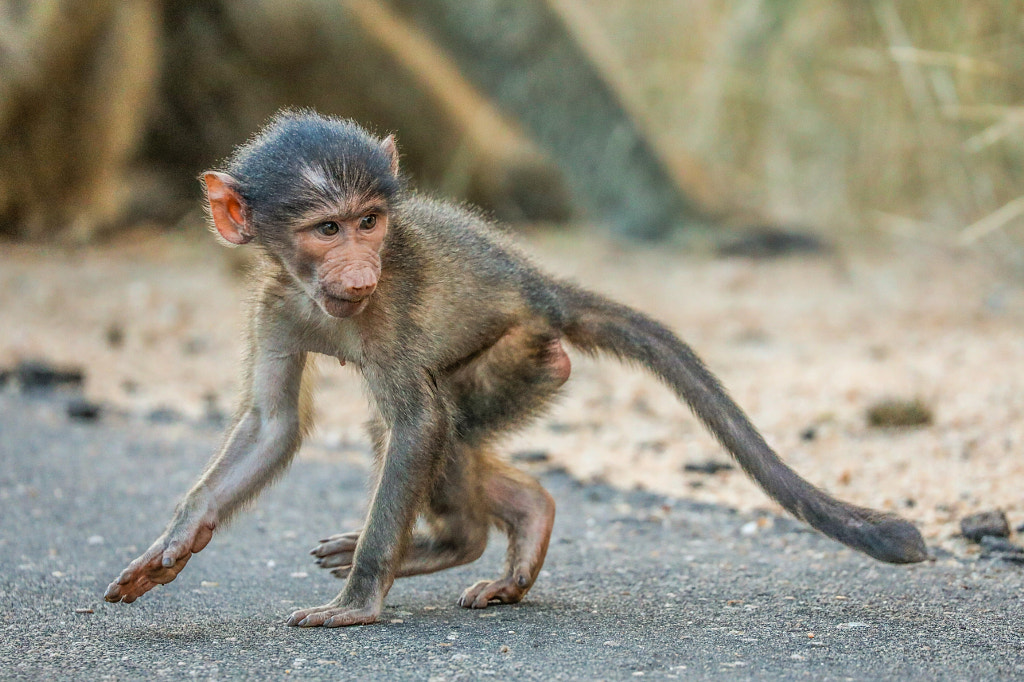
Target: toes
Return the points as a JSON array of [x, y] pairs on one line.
[[470, 594], [481, 594], [332, 617], [351, 617], [342, 572], [343, 542], [335, 560]]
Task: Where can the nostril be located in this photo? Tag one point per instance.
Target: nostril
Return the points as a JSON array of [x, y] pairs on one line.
[[360, 289]]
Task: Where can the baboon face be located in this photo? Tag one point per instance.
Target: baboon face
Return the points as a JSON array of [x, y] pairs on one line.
[[316, 196], [337, 256]]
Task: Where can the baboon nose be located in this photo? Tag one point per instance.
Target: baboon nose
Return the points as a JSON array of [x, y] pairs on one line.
[[360, 290]]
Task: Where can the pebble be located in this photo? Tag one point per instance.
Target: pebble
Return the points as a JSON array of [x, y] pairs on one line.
[[977, 526], [115, 335], [164, 415], [899, 413], [709, 467], [39, 375], [993, 547], [531, 456], [768, 241], [84, 410]]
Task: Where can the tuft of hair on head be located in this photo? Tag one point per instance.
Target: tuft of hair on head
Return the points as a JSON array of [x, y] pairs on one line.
[[301, 157]]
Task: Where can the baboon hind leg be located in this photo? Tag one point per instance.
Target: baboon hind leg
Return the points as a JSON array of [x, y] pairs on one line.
[[526, 512]]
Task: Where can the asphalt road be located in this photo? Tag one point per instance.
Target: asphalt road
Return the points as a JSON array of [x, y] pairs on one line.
[[634, 586]]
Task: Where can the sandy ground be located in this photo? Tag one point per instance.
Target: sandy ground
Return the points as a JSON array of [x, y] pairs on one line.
[[800, 343]]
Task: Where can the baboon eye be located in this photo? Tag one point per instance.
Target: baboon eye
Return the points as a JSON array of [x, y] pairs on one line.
[[368, 222], [328, 229]]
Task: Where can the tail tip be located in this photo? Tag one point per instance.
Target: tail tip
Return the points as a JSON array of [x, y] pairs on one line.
[[896, 541]]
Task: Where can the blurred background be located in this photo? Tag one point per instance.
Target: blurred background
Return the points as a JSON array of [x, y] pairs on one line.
[[842, 118], [636, 146]]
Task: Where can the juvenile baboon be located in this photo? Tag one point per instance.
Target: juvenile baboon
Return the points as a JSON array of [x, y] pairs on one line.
[[459, 338]]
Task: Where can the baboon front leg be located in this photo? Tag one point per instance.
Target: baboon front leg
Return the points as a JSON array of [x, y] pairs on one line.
[[527, 512], [419, 442], [457, 518]]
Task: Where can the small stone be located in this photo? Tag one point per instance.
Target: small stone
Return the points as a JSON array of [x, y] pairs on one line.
[[84, 611], [531, 456], [503, 649], [300, 574], [899, 413], [853, 625], [809, 434], [709, 467], [993, 547], [39, 375], [769, 241], [114, 335], [977, 526], [95, 540], [84, 410], [164, 415]]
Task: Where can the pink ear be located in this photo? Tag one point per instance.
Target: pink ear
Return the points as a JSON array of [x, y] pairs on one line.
[[227, 208], [388, 147]]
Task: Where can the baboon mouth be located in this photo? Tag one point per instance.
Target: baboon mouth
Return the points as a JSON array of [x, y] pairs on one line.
[[336, 306]]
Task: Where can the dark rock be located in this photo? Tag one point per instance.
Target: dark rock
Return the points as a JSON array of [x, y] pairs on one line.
[[532, 456], [39, 375], [810, 433], [81, 409], [772, 242], [115, 335], [899, 413], [1001, 549], [710, 467], [991, 543], [992, 523]]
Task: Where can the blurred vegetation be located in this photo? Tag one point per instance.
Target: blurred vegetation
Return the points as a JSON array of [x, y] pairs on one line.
[[847, 118], [904, 117]]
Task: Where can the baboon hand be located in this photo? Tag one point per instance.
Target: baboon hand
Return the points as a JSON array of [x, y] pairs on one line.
[[160, 564], [336, 553]]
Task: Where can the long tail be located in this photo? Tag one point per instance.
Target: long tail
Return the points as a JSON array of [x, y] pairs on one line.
[[595, 324]]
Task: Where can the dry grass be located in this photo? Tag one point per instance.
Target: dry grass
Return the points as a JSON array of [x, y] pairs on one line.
[[847, 117]]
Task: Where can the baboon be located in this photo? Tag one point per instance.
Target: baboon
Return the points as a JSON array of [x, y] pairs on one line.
[[459, 339]]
